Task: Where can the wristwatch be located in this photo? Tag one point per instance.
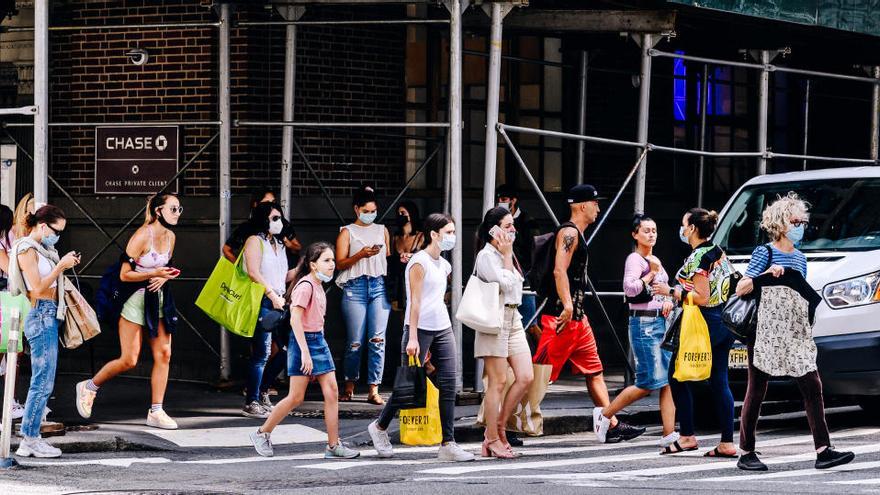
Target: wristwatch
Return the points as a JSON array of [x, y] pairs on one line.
[[672, 291]]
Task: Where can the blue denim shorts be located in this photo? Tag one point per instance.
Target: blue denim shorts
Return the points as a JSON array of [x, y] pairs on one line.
[[322, 360], [652, 362]]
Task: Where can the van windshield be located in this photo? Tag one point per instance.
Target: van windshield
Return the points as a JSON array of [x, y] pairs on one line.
[[844, 215]]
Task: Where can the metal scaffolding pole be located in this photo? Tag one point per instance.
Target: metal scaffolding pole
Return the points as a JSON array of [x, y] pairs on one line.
[[455, 130], [701, 167], [41, 101], [289, 101], [496, 11], [647, 43], [582, 114], [225, 159], [875, 116], [807, 120], [763, 109]]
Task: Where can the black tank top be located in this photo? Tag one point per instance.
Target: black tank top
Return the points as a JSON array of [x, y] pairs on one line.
[[577, 280]]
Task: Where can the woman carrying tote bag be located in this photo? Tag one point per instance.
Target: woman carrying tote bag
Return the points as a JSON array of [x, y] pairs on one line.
[[495, 263]]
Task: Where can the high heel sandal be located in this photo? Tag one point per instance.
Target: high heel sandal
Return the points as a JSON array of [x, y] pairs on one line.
[[496, 449]]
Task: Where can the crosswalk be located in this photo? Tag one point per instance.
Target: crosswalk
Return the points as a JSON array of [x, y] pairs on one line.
[[573, 460]]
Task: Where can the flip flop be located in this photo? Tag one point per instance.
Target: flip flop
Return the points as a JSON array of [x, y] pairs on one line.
[[678, 449], [717, 453]]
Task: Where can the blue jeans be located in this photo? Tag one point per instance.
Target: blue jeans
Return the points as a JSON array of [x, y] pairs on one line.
[[41, 331], [681, 392], [259, 375], [365, 309], [527, 310], [652, 363]]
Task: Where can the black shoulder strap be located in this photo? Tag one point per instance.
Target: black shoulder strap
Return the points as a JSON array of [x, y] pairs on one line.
[[303, 280], [769, 256]]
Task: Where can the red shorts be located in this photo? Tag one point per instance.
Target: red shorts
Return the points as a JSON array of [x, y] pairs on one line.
[[575, 343]]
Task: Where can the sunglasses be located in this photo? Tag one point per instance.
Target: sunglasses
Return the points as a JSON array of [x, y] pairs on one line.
[[174, 209], [798, 223], [57, 232], [275, 218]]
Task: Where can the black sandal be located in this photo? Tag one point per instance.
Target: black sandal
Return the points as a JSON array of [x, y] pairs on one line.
[[717, 453], [678, 449]]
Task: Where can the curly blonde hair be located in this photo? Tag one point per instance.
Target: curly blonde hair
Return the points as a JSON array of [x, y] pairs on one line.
[[777, 217]]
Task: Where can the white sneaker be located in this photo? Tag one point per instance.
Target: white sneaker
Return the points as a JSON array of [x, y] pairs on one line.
[[17, 410], [36, 447], [380, 441], [160, 419], [84, 399], [601, 424], [262, 443], [452, 452]]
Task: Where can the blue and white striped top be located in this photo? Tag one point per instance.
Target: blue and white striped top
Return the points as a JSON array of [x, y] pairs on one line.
[[758, 264]]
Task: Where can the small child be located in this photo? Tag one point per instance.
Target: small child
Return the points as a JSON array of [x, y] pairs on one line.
[[308, 354]]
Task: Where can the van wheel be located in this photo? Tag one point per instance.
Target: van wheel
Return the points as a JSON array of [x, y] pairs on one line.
[[870, 403]]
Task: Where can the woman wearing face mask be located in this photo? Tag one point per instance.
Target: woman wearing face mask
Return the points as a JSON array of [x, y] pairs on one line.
[[149, 305], [406, 241], [496, 263], [705, 274], [361, 251], [784, 221], [36, 270], [428, 327], [266, 264]]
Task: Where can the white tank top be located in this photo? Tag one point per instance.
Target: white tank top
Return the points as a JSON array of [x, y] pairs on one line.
[[273, 265], [432, 308], [359, 238], [44, 267]]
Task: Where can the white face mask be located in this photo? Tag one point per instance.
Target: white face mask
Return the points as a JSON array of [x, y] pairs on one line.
[[506, 206], [447, 242], [276, 227]]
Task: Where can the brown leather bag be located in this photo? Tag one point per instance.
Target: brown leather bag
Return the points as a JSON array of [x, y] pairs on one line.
[[80, 321]]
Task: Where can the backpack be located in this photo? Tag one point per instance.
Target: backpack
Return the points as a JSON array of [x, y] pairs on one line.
[[106, 299], [543, 263]]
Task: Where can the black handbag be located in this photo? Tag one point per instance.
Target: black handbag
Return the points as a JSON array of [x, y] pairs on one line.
[[410, 386], [740, 316], [673, 329], [642, 297]]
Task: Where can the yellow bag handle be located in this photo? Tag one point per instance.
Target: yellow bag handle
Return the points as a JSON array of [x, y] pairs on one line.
[[690, 299], [414, 361]]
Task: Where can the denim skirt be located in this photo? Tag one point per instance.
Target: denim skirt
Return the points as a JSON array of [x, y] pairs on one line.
[[652, 362], [322, 360]]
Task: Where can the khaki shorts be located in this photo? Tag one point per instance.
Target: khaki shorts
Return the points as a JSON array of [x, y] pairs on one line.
[[510, 341], [133, 309]]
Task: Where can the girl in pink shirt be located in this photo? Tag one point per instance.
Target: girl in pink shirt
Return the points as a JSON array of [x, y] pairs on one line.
[[308, 355]]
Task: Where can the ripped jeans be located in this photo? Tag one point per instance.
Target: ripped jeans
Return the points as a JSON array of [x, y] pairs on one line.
[[41, 330], [365, 309]]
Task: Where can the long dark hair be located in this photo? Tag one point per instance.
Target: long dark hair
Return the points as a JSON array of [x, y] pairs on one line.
[[258, 223], [434, 223], [362, 196], [492, 218], [703, 220], [5, 224], [415, 218], [311, 255]]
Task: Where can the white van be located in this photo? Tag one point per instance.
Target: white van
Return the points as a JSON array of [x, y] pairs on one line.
[[842, 245]]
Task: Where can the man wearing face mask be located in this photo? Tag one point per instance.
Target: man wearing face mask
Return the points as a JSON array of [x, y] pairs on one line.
[[566, 335]]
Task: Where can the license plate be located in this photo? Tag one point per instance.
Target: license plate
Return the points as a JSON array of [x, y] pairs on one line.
[[739, 358]]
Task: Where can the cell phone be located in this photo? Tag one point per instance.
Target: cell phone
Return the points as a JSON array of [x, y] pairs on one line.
[[176, 271], [377, 246], [494, 231]]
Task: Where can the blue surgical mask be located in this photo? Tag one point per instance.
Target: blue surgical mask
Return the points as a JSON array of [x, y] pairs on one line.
[[50, 240], [367, 218], [323, 277], [681, 235], [796, 234], [447, 242]]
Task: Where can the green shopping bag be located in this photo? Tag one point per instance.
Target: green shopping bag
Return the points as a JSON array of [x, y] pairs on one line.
[[7, 304], [231, 298]]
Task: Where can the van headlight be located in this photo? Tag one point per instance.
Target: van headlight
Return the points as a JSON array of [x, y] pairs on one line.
[[857, 291]]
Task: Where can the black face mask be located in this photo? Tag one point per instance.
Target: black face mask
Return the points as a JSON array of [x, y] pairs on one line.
[[402, 220], [164, 222]]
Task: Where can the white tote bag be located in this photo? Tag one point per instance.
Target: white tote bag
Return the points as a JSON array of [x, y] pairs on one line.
[[480, 306]]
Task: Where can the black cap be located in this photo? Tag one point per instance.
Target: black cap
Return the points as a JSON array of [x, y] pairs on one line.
[[506, 191], [582, 193]]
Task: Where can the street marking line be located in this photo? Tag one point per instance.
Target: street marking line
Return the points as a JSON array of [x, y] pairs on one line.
[[856, 466], [237, 436], [867, 481], [714, 465], [29, 489], [120, 462]]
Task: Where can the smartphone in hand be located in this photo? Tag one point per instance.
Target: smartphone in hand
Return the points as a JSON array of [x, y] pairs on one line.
[[495, 231]]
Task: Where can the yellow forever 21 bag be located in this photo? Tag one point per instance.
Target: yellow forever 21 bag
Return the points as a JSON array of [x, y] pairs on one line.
[[421, 426], [693, 362]]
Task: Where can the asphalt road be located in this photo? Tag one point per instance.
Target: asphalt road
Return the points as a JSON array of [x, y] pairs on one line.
[[561, 464]]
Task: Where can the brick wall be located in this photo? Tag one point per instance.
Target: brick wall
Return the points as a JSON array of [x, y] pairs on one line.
[[343, 74]]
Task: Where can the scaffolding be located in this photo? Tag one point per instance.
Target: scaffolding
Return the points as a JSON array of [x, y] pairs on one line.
[[646, 34]]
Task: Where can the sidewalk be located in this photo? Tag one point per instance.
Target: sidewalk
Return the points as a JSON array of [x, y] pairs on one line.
[[117, 423]]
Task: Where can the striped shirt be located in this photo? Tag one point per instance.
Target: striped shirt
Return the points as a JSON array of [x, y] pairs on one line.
[[758, 264]]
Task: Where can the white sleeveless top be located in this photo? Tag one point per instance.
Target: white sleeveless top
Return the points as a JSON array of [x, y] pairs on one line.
[[359, 238], [432, 308], [273, 265]]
